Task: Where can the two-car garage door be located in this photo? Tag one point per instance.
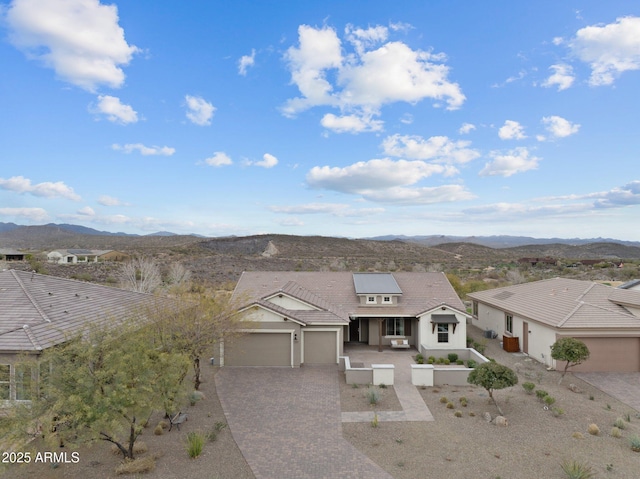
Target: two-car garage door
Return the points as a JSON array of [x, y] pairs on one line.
[[259, 349], [611, 354]]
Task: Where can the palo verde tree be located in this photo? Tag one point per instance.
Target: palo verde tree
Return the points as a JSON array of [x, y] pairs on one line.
[[492, 376], [200, 320], [571, 350], [103, 385]]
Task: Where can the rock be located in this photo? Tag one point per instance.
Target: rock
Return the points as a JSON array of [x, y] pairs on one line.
[[487, 416], [574, 388], [501, 421], [270, 250]]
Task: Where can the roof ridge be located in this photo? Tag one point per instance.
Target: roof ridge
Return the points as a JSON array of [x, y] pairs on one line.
[[31, 298], [571, 313], [31, 337]]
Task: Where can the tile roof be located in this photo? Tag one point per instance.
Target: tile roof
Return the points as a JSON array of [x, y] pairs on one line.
[[566, 303], [39, 311], [335, 293]]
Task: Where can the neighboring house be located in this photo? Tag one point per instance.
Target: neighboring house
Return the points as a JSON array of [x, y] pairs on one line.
[[606, 319], [634, 284], [40, 311], [296, 318], [11, 254], [72, 256]]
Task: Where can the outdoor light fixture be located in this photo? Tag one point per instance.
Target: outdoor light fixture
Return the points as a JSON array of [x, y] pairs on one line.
[[295, 336]]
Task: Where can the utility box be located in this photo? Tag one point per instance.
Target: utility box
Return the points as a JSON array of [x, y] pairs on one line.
[[511, 344]]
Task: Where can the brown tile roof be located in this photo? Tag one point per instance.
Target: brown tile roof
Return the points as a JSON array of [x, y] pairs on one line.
[[39, 311], [566, 303], [334, 292]]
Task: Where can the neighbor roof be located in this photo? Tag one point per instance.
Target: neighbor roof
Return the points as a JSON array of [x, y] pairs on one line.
[[335, 293], [566, 303], [39, 311]]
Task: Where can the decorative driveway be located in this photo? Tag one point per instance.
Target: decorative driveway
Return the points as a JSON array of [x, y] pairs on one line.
[[625, 387], [287, 423]]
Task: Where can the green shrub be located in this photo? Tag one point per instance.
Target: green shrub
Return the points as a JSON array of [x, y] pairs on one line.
[[557, 412], [548, 400], [458, 414], [634, 443], [195, 443], [450, 405], [615, 432], [541, 394], [577, 470], [444, 400], [459, 362], [619, 423], [446, 361], [372, 395], [419, 357], [528, 387], [440, 361], [471, 363], [430, 361], [453, 357]]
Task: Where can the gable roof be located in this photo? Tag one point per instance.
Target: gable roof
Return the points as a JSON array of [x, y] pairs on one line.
[[335, 296], [39, 311], [566, 303]]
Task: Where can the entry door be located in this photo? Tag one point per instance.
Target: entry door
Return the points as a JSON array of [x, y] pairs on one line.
[[525, 337], [354, 330]]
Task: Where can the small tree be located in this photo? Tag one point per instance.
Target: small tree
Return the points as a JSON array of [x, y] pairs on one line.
[[492, 376], [571, 350], [141, 274]]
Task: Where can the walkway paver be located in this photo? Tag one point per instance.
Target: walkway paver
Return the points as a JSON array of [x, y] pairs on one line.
[[287, 423], [413, 406], [625, 387]]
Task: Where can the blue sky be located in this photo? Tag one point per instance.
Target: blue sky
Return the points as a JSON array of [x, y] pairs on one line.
[[356, 119]]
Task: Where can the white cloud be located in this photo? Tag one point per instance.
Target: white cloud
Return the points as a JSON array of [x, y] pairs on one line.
[[105, 200], [361, 82], [199, 111], [86, 211], [334, 209], [626, 195], [511, 130], [350, 123], [609, 49], [20, 184], [79, 39], [290, 222], [31, 214], [422, 195], [466, 128], [245, 62], [219, 158], [559, 127], [144, 150], [514, 161], [562, 77], [115, 111], [268, 161], [437, 148]]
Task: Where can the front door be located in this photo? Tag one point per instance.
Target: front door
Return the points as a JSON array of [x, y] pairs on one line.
[[354, 330], [525, 337]]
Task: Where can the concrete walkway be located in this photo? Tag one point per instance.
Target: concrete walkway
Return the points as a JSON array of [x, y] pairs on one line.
[[624, 387], [287, 423], [413, 406]]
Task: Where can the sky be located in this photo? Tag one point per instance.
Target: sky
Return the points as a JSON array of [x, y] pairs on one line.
[[355, 119]]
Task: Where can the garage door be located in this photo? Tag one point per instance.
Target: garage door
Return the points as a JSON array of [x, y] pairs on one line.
[[320, 347], [259, 349], [611, 354]]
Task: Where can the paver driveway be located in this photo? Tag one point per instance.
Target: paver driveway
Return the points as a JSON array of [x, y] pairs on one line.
[[624, 387], [287, 423]]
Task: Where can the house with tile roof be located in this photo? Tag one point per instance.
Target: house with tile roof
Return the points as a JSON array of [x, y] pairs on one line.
[[39, 311], [297, 318], [78, 255], [534, 315]]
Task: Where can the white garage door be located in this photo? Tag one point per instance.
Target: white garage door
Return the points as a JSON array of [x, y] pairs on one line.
[[320, 347], [259, 349]]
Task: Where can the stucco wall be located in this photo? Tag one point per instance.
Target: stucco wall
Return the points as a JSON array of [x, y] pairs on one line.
[[429, 334]]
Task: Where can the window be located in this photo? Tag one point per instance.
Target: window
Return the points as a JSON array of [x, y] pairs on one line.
[[475, 308], [5, 381], [371, 299], [509, 323], [386, 299], [23, 383], [443, 333], [395, 326]]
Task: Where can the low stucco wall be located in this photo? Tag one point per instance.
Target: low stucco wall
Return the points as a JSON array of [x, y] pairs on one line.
[[377, 374], [452, 375]]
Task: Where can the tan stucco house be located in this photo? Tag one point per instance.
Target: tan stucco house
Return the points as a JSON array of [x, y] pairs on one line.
[[534, 315], [73, 256], [297, 318], [40, 311]]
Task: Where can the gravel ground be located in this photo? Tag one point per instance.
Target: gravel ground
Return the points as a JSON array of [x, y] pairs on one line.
[[532, 446]]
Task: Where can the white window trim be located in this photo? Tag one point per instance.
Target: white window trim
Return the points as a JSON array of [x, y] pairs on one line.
[[369, 300]]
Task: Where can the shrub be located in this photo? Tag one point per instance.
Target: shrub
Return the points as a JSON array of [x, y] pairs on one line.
[[374, 422], [450, 405], [548, 400], [440, 361], [444, 400], [593, 429], [528, 387], [137, 466], [419, 357], [577, 435], [220, 425], [195, 396], [453, 357], [619, 423], [430, 361], [576, 470], [446, 361], [634, 443], [459, 362], [458, 414], [541, 394], [557, 412], [471, 363], [163, 424], [158, 431], [139, 447], [615, 432], [420, 360], [373, 396], [195, 443]]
